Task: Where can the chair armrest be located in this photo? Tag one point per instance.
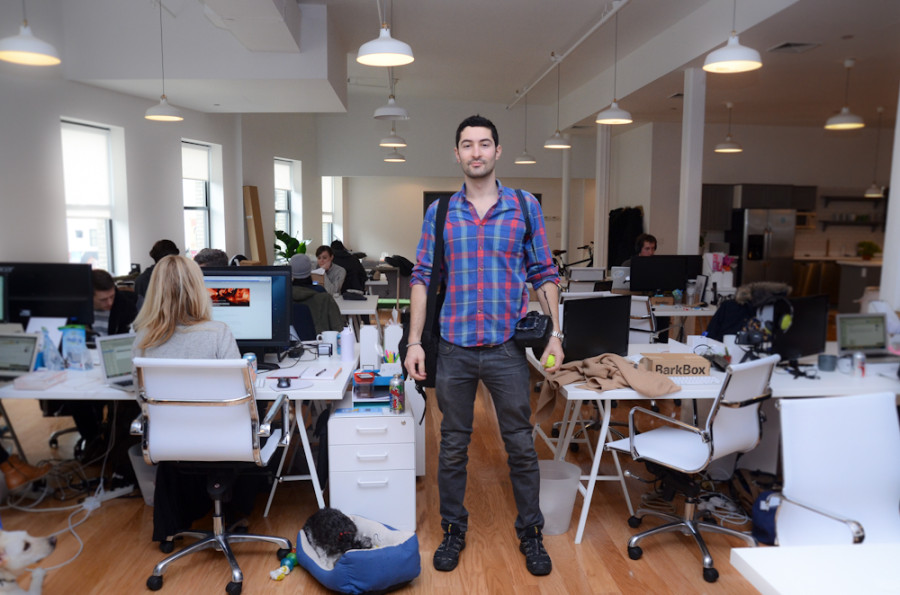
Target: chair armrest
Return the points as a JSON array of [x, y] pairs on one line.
[[674, 422], [855, 527], [280, 405], [747, 402], [137, 426]]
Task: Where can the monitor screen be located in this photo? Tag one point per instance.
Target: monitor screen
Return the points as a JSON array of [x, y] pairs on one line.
[[808, 330], [4, 310], [255, 303], [658, 273], [49, 289], [596, 325]]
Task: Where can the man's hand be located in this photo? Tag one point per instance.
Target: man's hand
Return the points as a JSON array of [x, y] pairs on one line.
[[554, 348], [415, 362]]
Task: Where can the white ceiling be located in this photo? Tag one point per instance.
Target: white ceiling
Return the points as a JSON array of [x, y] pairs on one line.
[[486, 51]]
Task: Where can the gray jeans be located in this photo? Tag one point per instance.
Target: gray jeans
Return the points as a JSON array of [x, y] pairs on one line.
[[504, 371]]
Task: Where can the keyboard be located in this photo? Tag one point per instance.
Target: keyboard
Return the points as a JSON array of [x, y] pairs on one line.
[[692, 380]]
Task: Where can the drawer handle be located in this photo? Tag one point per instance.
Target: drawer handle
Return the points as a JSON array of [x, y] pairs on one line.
[[378, 430], [372, 484], [371, 457]]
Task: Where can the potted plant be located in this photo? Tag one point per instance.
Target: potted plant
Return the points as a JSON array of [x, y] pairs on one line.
[[289, 245], [867, 249]]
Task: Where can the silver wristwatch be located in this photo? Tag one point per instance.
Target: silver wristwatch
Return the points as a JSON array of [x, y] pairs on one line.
[[558, 335]]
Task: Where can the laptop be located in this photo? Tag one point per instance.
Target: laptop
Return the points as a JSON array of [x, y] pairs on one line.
[[621, 277], [115, 360], [18, 352], [866, 333]]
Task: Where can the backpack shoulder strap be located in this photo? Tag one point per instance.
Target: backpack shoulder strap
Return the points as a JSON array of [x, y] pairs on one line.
[[525, 213]]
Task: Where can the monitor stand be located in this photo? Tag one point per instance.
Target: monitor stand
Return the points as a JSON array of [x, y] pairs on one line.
[[266, 366]]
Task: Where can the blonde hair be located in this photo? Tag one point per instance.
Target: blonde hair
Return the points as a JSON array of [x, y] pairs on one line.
[[175, 297]]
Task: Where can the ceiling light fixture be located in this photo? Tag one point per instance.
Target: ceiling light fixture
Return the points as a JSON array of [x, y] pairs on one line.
[[163, 112], [729, 146], [27, 49], [393, 141], [525, 158], [556, 141], [876, 191], [845, 120], [384, 50], [394, 157], [614, 114], [734, 57], [391, 111]]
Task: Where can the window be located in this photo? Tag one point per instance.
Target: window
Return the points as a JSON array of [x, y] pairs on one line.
[[283, 190], [195, 167], [88, 184], [328, 189]]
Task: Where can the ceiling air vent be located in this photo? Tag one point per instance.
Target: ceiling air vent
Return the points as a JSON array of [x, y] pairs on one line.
[[793, 47]]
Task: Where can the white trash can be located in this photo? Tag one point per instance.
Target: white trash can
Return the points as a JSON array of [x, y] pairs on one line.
[[146, 474], [559, 486]]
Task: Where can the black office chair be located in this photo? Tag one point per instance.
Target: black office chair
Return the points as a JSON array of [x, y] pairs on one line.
[[302, 319]]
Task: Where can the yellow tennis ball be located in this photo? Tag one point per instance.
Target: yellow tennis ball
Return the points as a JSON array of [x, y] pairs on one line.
[[551, 359]]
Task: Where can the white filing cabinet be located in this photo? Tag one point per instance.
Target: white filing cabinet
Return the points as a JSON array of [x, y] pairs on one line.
[[372, 464]]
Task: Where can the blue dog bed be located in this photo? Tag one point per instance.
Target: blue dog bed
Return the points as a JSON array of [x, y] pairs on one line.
[[392, 561]]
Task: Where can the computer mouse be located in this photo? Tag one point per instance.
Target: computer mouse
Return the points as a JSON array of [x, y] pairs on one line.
[[284, 382]]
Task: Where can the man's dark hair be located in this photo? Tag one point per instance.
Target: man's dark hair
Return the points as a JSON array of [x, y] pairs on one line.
[[477, 121], [322, 249], [211, 257], [163, 248], [101, 280], [337, 245], [644, 237]]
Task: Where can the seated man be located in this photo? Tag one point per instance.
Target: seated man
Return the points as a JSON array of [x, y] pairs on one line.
[[211, 257], [356, 274], [325, 312], [159, 250], [644, 245]]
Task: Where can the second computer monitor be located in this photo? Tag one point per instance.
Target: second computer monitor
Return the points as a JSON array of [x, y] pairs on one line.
[[663, 272], [594, 326], [808, 330]]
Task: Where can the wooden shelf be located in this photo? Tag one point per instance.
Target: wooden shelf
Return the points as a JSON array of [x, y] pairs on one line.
[[829, 199], [873, 224]]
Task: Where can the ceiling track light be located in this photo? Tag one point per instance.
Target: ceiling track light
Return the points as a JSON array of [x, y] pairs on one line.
[[27, 49], [394, 157], [845, 120], [384, 50], [163, 112], [557, 141], [525, 158], [393, 141], [733, 57], [729, 146], [876, 191], [614, 115]]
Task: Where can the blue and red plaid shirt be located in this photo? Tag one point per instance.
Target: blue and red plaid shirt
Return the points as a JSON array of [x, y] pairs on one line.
[[487, 263]]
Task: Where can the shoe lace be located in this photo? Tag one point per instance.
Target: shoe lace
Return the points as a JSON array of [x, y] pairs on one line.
[[451, 543], [534, 546]]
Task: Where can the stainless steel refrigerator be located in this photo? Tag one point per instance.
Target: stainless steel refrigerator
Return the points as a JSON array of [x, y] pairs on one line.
[[764, 239]]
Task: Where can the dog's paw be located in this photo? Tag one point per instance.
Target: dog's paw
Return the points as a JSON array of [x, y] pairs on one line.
[[37, 579]]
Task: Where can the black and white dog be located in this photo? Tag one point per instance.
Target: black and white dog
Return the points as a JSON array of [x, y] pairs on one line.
[[332, 532]]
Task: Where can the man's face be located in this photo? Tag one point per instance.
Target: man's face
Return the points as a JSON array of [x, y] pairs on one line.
[[324, 260], [648, 249], [476, 152], [103, 300]]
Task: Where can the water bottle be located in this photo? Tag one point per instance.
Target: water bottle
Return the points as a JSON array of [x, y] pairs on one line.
[[398, 398], [347, 341]]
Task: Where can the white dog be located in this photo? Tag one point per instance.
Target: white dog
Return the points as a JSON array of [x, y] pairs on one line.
[[18, 550]]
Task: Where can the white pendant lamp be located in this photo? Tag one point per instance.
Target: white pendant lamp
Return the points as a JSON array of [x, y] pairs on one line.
[[525, 158], [391, 111], [394, 157], [27, 49], [876, 191], [734, 57], [392, 141], [729, 146], [845, 120], [557, 141], [384, 50], [163, 112], [614, 114]]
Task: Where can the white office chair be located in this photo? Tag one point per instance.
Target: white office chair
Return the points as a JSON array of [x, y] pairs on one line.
[[204, 411], [841, 470], [679, 449]]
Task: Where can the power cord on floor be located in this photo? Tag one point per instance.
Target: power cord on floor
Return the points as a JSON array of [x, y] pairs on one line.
[[722, 508]]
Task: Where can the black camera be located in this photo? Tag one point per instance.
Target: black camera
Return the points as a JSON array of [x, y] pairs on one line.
[[751, 337]]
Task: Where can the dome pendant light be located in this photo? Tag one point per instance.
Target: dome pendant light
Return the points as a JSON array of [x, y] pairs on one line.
[[27, 49], [391, 111], [614, 114], [729, 146], [393, 141], [525, 158], [384, 50], [394, 157], [557, 141], [734, 57], [876, 191], [163, 112], [845, 120]]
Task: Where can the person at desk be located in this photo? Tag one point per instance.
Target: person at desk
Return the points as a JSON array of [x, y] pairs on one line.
[[160, 249], [356, 274], [488, 260], [176, 322], [17, 472], [211, 257], [334, 273], [325, 312], [644, 245]]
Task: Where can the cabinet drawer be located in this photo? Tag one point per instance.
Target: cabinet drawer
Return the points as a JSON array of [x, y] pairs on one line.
[[388, 497], [352, 429], [368, 457]]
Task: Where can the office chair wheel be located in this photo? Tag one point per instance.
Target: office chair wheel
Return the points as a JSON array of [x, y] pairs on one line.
[[710, 575], [154, 583], [634, 522], [167, 547], [282, 552], [635, 553], [234, 588], [554, 433], [574, 447]]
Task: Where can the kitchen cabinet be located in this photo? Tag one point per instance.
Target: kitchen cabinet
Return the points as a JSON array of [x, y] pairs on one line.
[[715, 207], [803, 198], [856, 275], [763, 196]]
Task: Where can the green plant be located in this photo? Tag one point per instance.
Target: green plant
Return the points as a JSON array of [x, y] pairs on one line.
[[867, 249], [289, 245]]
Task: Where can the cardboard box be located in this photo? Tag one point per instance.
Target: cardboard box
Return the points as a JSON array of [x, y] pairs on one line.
[[676, 364], [662, 300]]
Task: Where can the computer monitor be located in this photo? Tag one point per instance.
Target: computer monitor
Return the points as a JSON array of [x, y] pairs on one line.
[[596, 325], [255, 303], [808, 331], [49, 290], [659, 273], [4, 308]]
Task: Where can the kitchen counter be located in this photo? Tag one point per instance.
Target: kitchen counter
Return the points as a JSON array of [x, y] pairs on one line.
[[859, 262], [822, 258]]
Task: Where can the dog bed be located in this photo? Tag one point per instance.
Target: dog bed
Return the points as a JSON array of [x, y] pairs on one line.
[[392, 561]]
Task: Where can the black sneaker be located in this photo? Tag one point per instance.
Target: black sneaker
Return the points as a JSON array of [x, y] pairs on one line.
[[537, 560], [447, 555]]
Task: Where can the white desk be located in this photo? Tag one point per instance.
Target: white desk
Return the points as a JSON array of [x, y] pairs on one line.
[[798, 570], [357, 308]]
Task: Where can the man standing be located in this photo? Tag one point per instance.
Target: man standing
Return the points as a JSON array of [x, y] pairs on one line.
[[487, 261]]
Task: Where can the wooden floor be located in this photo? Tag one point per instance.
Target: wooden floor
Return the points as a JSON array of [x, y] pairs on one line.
[[118, 555]]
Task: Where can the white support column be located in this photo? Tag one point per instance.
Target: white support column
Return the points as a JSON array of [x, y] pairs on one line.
[[571, 254], [890, 267], [601, 197], [692, 125]]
